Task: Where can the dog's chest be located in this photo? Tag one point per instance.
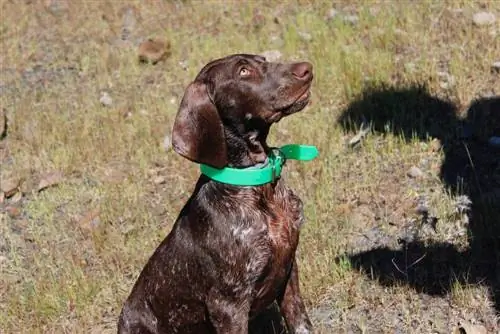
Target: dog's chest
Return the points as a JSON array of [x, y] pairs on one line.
[[283, 223]]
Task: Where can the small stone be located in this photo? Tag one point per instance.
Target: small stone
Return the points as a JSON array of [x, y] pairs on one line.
[[129, 21], [352, 19], [17, 197], [167, 143], [159, 180], [50, 180], [272, 55], [105, 99], [483, 19], [9, 186], [332, 13], [415, 172], [495, 68], [184, 65], [276, 41], [410, 67], [153, 51], [305, 36], [90, 221], [13, 211], [436, 145], [472, 329], [56, 7], [3, 123]]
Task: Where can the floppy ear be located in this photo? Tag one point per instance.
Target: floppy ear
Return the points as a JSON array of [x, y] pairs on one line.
[[198, 134]]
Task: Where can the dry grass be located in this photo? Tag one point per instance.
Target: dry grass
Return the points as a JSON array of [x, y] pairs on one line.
[[70, 253]]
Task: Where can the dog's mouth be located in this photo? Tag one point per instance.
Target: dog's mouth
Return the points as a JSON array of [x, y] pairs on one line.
[[299, 102]]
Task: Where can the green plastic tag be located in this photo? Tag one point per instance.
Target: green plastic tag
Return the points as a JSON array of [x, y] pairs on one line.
[[300, 152]]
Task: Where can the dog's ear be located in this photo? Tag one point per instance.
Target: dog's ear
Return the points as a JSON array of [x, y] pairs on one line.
[[198, 134]]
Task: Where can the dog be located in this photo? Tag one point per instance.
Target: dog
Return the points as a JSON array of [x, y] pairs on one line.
[[231, 252]]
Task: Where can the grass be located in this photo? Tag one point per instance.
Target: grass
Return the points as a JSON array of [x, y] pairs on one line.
[[69, 254]]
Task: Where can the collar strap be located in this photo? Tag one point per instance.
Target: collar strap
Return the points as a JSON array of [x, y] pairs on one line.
[[268, 173]]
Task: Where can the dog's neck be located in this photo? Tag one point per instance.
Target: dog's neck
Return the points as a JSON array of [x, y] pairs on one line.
[[246, 149]]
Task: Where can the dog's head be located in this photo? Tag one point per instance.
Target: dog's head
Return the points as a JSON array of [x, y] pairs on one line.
[[241, 94]]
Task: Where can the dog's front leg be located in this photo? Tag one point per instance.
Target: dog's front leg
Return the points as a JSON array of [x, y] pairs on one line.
[[292, 306], [228, 315]]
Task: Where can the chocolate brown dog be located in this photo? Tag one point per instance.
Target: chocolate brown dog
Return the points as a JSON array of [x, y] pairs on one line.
[[231, 252]]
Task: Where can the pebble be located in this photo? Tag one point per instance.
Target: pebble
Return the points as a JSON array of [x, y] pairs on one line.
[[167, 142], [272, 55], [9, 186], [332, 13], [352, 19], [106, 100], [305, 36], [415, 172], [3, 123], [471, 329], [495, 67], [483, 19], [153, 51]]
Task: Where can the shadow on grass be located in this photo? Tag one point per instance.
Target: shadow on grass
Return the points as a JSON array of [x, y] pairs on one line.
[[471, 169]]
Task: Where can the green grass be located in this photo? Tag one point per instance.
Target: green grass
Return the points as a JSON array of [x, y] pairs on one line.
[[70, 257]]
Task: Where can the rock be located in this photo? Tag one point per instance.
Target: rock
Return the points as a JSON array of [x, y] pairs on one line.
[[184, 64], [483, 19], [471, 329], [305, 36], [276, 41], [410, 67], [3, 123], [17, 197], [436, 145], [167, 142], [153, 51], [332, 13], [129, 21], [272, 55], [49, 180], [13, 211], [159, 179], [352, 19], [9, 186], [415, 172], [447, 80], [90, 221], [495, 68], [105, 99], [56, 7]]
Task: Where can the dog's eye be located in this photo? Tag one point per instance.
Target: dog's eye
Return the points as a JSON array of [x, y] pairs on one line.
[[244, 72]]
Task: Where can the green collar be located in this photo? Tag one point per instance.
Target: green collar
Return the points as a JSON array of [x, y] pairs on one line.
[[269, 172]]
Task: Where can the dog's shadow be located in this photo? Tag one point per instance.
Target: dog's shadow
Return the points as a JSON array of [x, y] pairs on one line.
[[471, 169]]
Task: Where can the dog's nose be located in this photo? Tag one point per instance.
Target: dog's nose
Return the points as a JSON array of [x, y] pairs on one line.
[[302, 71]]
